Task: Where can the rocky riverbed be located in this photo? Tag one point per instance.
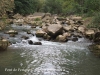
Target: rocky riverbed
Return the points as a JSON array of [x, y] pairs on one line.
[[48, 27]]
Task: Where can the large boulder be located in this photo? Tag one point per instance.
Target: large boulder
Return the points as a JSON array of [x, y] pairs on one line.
[[3, 44], [54, 30], [40, 33], [61, 38]]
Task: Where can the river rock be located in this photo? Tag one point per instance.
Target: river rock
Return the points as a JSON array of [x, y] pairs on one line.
[[40, 33], [75, 39], [44, 27], [61, 38], [18, 21], [96, 37], [54, 30], [95, 49], [12, 35], [77, 35], [30, 42], [12, 32], [75, 18], [25, 37], [81, 29], [46, 18], [89, 33], [46, 36], [33, 26], [67, 34], [67, 28], [17, 16], [37, 43], [70, 22], [47, 14], [28, 32], [4, 44], [61, 19]]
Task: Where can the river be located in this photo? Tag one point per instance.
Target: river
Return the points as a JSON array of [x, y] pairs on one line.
[[50, 58]]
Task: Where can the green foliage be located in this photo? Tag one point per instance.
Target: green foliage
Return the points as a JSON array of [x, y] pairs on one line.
[[92, 5], [68, 6], [96, 22], [37, 19], [89, 7], [25, 6], [53, 6]]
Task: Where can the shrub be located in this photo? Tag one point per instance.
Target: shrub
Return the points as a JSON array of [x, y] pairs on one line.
[[37, 19], [96, 22]]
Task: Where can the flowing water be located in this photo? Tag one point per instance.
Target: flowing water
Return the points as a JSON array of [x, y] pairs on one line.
[[50, 58]]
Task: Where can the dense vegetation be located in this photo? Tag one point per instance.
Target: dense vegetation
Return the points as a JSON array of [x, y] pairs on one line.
[[65, 7], [57, 6]]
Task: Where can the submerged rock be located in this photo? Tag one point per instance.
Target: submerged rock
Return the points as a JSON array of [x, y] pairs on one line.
[[12, 35], [75, 39], [34, 43], [28, 32], [25, 37], [37, 43], [30, 42]]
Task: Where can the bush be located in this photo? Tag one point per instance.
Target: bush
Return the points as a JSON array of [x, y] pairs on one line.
[[37, 19], [25, 6], [96, 22]]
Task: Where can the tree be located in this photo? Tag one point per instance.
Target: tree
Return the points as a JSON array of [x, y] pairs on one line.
[[68, 6], [25, 6], [53, 6]]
